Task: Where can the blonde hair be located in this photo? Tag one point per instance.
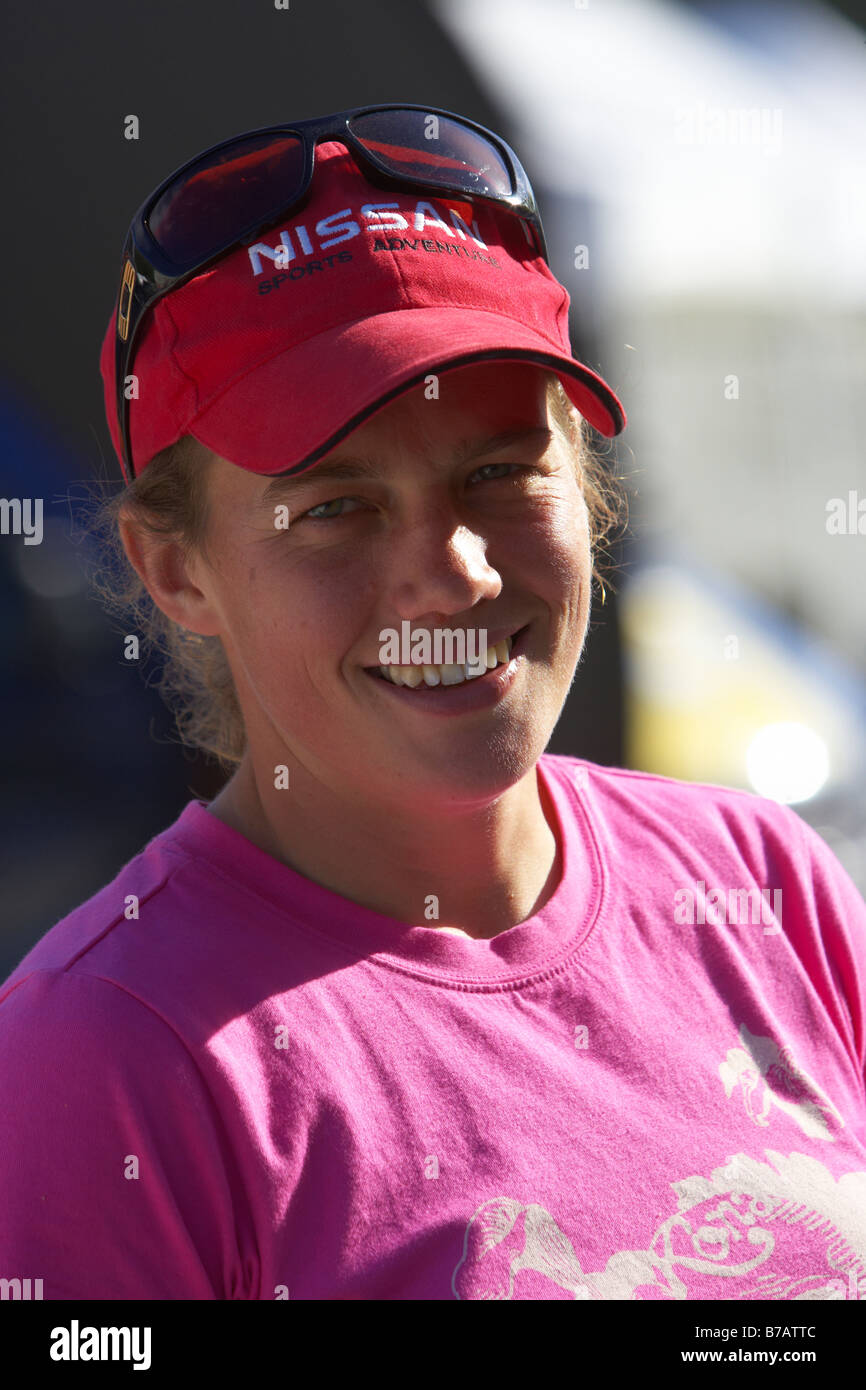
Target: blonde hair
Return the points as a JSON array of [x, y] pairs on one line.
[[170, 498]]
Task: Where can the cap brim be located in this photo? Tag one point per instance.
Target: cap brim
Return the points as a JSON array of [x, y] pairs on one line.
[[284, 414]]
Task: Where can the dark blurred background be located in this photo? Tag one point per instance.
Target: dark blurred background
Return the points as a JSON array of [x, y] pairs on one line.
[[710, 158]]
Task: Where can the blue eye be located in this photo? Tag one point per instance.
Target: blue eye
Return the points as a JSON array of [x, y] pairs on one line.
[[332, 503]]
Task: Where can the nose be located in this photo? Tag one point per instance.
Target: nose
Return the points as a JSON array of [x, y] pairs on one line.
[[439, 565]]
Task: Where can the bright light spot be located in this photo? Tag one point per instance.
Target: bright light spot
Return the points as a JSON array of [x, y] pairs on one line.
[[787, 762]]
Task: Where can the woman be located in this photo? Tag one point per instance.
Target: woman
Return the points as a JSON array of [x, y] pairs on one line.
[[411, 1009]]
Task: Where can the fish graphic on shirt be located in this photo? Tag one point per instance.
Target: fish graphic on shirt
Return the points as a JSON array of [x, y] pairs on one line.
[[787, 1229], [768, 1075]]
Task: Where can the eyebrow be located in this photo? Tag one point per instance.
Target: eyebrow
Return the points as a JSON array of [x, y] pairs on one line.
[[364, 466]]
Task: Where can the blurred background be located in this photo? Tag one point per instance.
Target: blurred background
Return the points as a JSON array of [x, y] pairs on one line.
[[700, 172]]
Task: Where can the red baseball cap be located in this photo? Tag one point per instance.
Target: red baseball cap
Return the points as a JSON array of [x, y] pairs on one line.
[[278, 351]]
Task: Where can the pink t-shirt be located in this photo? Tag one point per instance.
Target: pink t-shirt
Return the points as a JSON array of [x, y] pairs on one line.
[[219, 1080]]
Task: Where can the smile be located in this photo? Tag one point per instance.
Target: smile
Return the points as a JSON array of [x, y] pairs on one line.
[[448, 674], [449, 690]]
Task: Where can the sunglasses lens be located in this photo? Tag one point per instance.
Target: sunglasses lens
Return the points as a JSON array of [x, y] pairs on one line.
[[225, 195], [434, 148]]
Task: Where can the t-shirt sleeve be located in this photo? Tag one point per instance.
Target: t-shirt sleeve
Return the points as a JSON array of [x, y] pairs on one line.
[[834, 949], [113, 1167]]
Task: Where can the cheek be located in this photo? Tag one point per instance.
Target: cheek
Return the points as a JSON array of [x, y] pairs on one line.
[[555, 545], [291, 623], [252, 614]]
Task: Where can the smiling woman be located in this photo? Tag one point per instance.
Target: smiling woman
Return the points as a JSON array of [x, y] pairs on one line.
[[412, 1009], [171, 498]]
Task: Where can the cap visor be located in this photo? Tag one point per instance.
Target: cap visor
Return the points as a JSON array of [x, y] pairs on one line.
[[285, 414]]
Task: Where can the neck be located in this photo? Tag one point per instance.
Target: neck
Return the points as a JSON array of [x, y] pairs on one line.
[[482, 869]]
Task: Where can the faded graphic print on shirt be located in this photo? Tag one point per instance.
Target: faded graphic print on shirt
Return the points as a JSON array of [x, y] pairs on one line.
[[769, 1075], [784, 1229]]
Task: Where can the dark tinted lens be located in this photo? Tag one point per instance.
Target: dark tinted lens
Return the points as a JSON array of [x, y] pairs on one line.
[[433, 148], [225, 194]]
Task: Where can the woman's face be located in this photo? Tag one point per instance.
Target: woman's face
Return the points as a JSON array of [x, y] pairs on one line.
[[497, 542]]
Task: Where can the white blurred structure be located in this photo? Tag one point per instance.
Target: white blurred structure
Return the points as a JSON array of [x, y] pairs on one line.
[[717, 178]]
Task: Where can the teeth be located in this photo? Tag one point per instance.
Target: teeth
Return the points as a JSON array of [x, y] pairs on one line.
[[450, 674]]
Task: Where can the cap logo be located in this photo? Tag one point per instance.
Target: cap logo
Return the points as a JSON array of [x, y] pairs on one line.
[[125, 306], [342, 226]]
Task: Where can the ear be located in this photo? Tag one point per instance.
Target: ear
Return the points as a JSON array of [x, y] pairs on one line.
[[177, 583]]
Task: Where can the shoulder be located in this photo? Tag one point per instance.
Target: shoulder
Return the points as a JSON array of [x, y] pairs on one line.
[[662, 818], [99, 932], [656, 833], [644, 794]]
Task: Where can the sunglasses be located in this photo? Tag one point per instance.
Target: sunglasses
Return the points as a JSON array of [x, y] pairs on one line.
[[229, 194]]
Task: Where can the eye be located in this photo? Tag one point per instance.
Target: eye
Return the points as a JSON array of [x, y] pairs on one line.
[[334, 516], [320, 512], [485, 467]]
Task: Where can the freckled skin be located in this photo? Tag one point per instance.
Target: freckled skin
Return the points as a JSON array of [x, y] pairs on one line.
[[386, 806]]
